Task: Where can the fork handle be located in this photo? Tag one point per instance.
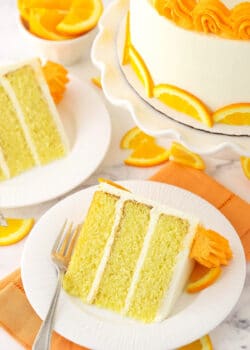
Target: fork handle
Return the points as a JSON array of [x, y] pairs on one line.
[[43, 338]]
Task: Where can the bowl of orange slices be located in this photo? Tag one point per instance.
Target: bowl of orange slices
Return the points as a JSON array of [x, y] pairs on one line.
[[60, 30]]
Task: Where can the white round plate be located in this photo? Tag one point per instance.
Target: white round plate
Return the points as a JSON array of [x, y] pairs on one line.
[[121, 88], [87, 124], [193, 316]]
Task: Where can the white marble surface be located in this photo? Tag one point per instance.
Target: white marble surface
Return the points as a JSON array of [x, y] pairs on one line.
[[234, 332]]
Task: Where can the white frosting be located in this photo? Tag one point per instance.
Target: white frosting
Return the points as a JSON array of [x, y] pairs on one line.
[[214, 69], [183, 266]]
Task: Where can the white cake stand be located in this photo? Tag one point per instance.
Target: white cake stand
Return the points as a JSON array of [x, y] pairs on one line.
[[119, 91]]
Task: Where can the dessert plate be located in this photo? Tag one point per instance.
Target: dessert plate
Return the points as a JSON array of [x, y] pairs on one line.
[[193, 316], [121, 88], [88, 127]]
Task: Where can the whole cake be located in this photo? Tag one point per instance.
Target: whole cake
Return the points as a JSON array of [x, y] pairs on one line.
[[192, 55], [132, 255], [31, 132]]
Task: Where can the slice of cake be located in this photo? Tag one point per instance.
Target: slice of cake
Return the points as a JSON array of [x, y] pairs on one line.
[[132, 255], [31, 132]]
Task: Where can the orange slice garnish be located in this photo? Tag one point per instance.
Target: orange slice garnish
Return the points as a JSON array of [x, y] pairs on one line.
[[210, 249], [182, 155], [183, 102], [97, 82], [56, 77], [133, 138], [127, 43], [43, 23], [141, 70], [16, 230], [147, 154], [202, 277], [203, 343], [82, 17], [112, 183], [245, 164], [234, 114]]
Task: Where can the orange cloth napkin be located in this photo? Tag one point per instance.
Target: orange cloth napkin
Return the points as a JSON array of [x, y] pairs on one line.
[[19, 319]]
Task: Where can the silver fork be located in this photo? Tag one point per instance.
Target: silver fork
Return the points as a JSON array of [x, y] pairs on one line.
[[60, 255]]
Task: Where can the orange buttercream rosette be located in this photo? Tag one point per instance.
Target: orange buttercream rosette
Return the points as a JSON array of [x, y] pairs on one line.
[[212, 16], [179, 11], [240, 21]]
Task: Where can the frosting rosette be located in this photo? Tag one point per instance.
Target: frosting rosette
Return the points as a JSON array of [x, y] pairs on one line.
[[240, 21], [179, 11], [212, 16]]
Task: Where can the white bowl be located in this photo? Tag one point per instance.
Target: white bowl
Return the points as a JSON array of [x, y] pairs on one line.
[[66, 52]]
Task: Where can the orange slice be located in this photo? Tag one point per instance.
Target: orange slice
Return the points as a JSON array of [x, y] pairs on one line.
[[127, 43], [183, 102], [112, 183], [97, 81], [203, 343], [202, 278], [147, 154], [234, 114], [43, 23], [56, 77], [245, 164], [133, 138], [141, 70], [82, 17], [182, 155], [16, 230]]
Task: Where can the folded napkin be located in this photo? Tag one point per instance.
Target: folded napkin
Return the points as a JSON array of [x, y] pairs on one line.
[[19, 319]]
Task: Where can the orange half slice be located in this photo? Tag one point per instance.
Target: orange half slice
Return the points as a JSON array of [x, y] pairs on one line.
[[16, 230], [245, 164], [133, 138], [180, 154], [183, 102], [234, 114], [203, 343], [147, 154], [82, 17]]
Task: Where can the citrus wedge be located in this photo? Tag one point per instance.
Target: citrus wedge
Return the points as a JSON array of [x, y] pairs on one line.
[[127, 43], [133, 138], [234, 114], [82, 17], [203, 343], [182, 155], [245, 164], [183, 102], [112, 183], [97, 81], [147, 154], [16, 230], [202, 277], [43, 23], [141, 70]]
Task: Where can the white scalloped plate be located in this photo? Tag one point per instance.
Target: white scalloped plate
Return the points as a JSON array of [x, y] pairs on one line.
[[120, 89], [194, 315]]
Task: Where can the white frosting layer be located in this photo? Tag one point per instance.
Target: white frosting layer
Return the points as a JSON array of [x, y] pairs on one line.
[[214, 69], [183, 266]]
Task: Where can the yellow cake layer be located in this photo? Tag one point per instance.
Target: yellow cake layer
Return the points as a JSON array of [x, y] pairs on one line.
[[90, 245], [125, 251], [12, 141], [38, 117], [157, 270]]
